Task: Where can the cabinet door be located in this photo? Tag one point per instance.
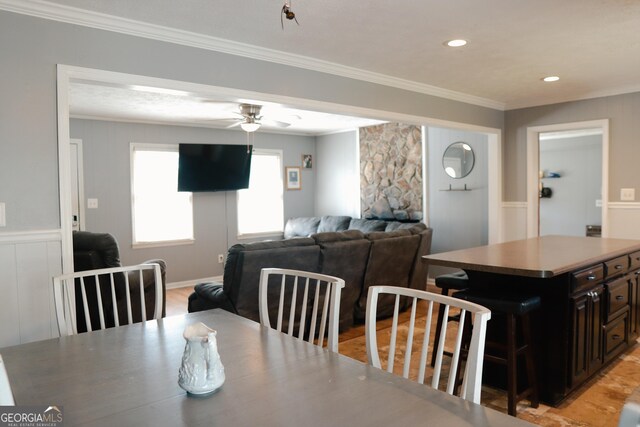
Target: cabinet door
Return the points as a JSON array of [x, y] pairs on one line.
[[595, 324], [580, 344]]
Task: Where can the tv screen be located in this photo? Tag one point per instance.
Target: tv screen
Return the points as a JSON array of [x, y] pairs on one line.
[[213, 167]]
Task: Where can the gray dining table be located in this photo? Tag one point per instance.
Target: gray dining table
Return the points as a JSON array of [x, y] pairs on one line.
[[128, 376]]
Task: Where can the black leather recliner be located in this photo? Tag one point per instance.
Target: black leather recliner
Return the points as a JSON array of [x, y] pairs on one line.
[[93, 251]]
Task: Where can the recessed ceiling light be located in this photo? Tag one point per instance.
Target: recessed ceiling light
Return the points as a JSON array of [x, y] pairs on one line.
[[551, 79], [456, 43]]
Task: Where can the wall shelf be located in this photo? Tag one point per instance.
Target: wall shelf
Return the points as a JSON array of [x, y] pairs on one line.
[[456, 189]]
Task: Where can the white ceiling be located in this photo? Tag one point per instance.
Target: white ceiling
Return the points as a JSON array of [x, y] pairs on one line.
[[92, 100], [593, 45]]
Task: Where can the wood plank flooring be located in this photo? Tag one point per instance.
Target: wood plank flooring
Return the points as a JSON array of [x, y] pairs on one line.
[[597, 403]]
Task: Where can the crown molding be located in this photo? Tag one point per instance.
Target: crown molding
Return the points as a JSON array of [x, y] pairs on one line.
[[77, 16]]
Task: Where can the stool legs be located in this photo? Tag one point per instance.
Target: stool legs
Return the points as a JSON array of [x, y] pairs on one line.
[[512, 364]]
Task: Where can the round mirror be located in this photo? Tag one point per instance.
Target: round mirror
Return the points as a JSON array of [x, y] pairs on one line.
[[458, 159]]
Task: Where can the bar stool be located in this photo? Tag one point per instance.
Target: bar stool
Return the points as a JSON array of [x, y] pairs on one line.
[[513, 307], [453, 281]]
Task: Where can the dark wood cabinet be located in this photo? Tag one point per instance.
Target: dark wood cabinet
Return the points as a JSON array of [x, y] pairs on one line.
[[634, 306], [587, 311]]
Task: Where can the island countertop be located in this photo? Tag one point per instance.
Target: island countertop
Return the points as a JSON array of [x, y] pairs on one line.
[[541, 257]]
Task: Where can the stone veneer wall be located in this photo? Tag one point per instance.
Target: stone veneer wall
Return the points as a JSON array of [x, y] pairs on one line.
[[391, 171]]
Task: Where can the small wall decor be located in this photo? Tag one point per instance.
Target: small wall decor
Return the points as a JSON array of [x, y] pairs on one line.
[[292, 178], [307, 161]]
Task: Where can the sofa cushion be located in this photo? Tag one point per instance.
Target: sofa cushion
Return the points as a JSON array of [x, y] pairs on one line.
[[367, 225], [301, 227], [378, 235], [333, 223], [338, 236], [345, 258]]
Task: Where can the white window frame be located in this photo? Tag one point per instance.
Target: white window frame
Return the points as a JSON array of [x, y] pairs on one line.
[[280, 233], [133, 146]]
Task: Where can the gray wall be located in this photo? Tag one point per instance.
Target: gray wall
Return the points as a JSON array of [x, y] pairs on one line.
[[459, 218], [31, 48], [107, 178], [338, 174], [624, 150], [572, 204]]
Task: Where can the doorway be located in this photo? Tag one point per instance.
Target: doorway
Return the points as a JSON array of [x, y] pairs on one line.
[[65, 74], [540, 181]]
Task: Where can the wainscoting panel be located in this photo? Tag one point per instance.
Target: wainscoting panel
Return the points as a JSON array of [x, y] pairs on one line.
[[9, 313], [28, 261], [624, 220], [514, 221]]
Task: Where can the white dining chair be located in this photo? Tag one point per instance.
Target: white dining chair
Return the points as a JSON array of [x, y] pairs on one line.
[[113, 279], [6, 396], [472, 378], [314, 297], [630, 415]]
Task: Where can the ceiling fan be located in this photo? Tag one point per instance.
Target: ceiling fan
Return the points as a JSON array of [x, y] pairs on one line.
[[250, 120]]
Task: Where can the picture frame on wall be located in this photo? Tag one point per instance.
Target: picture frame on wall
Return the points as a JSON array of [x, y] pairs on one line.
[[292, 178], [307, 161]]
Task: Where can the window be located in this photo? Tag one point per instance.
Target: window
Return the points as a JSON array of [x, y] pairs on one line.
[[261, 207], [160, 213]]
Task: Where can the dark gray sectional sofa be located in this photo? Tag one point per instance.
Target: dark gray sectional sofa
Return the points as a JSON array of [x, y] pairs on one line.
[[362, 252]]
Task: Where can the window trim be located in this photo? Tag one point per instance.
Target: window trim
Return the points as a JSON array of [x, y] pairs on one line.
[[263, 151], [146, 146]]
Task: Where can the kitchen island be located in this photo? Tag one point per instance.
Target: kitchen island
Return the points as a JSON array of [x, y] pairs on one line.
[[589, 291]]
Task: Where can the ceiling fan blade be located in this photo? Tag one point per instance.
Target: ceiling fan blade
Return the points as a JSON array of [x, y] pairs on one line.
[[237, 123]]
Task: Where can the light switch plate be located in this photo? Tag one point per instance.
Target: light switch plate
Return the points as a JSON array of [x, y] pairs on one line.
[[92, 203], [3, 215], [627, 194]]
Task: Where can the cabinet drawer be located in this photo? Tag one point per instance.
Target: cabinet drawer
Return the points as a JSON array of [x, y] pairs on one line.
[[634, 261], [615, 336], [587, 278], [617, 266], [617, 296]]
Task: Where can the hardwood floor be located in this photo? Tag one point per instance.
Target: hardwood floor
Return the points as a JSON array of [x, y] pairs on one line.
[[597, 403]]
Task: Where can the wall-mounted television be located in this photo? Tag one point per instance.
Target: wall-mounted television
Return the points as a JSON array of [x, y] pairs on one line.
[[213, 167]]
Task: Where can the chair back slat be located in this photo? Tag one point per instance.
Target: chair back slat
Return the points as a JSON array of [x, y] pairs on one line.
[[425, 345], [85, 303], [128, 300], [107, 304], [472, 357], [113, 298], [303, 312], [314, 313], [143, 306]]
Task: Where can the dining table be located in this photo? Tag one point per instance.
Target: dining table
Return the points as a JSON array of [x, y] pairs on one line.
[[128, 376]]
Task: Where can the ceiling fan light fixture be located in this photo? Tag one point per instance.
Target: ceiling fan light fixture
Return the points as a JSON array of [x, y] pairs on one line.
[[250, 126]]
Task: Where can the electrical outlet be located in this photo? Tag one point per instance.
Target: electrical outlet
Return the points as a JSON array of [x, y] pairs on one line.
[[92, 203], [627, 194], [220, 258]]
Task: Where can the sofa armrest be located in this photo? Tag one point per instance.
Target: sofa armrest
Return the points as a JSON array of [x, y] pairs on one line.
[[207, 296]]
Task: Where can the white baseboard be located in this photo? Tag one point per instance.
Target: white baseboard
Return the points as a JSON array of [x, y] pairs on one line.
[[191, 283]]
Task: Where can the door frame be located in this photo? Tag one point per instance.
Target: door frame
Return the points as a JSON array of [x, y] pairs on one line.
[[533, 166], [80, 173], [494, 174]]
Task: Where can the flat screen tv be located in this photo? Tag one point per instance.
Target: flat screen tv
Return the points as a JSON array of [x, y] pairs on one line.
[[213, 167]]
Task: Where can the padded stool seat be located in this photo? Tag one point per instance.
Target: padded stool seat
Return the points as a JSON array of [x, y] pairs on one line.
[[512, 304], [457, 281], [513, 307]]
